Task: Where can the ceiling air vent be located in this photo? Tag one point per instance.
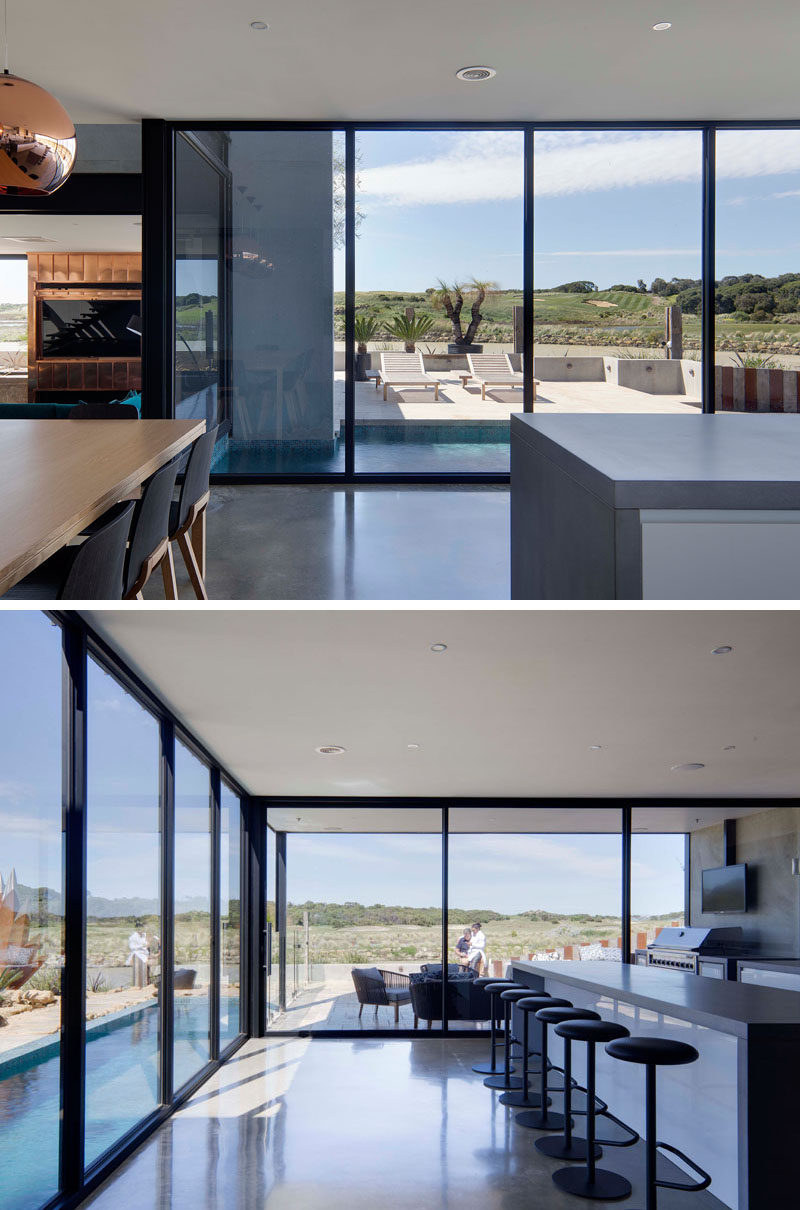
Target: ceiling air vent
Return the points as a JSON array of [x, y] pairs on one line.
[[330, 750], [474, 75]]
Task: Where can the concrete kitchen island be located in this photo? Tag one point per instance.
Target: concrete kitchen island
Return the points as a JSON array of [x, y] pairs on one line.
[[657, 507], [736, 1111]]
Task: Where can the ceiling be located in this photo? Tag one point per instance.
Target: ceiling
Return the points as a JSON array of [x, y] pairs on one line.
[[562, 703], [574, 60], [70, 233]]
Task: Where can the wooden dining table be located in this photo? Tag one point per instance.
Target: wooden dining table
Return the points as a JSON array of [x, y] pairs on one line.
[[57, 476]]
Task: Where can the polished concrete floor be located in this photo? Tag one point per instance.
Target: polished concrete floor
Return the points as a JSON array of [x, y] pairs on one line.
[[321, 542], [296, 1124]]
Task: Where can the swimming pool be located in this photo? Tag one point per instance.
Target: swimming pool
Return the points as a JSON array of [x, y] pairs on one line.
[[121, 1089]]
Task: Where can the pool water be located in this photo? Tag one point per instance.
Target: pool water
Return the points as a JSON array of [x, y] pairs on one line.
[[121, 1089]]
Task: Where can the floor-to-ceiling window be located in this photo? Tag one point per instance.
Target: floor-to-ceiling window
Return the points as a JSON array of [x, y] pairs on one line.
[[193, 925], [31, 910], [617, 270], [658, 873], [123, 913], [545, 883], [230, 916], [439, 276], [757, 302], [360, 920]]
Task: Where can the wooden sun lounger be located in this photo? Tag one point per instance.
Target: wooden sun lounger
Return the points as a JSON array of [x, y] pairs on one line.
[[406, 370], [495, 370]]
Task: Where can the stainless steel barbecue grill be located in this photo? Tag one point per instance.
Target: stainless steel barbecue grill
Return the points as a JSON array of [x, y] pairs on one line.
[[682, 948]]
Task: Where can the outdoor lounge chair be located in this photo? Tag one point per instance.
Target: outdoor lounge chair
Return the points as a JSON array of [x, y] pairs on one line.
[[495, 370], [406, 370], [379, 987]]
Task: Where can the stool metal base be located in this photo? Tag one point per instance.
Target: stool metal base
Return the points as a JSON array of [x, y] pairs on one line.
[[518, 1099], [500, 1081], [558, 1149], [486, 1069], [606, 1186], [534, 1119]]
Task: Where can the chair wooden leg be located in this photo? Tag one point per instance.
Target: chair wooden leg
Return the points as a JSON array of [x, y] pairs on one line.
[[192, 568], [168, 575], [198, 532], [435, 391], [483, 390]]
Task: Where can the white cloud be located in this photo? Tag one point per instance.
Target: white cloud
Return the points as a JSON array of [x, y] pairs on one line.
[[486, 166], [659, 252]]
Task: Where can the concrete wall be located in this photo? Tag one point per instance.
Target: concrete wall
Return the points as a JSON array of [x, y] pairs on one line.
[[657, 377], [280, 316], [767, 842]]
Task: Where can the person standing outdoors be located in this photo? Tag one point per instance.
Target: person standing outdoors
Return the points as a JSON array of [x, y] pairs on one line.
[[477, 947]]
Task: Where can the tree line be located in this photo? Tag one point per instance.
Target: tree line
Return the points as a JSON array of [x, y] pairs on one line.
[[748, 295]]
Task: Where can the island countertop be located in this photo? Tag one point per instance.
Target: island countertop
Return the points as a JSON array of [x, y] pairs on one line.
[[724, 1005], [663, 461]]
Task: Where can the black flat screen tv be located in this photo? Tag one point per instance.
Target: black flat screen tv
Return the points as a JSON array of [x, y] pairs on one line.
[[725, 889], [92, 327]]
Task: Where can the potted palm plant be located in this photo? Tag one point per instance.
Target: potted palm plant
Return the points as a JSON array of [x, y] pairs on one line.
[[410, 329], [451, 299], [365, 328]]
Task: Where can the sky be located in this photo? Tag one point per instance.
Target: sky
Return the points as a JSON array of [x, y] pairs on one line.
[[507, 873], [610, 207]]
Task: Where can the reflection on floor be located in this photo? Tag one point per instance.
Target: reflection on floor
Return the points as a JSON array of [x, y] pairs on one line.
[[319, 542], [353, 1125]]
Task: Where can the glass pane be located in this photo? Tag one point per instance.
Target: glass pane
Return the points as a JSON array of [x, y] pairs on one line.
[[438, 279], [230, 916], [192, 1037], [271, 938], [549, 882], [199, 286], [617, 268], [286, 242], [13, 329], [362, 932], [658, 866], [123, 913], [31, 909], [758, 278]]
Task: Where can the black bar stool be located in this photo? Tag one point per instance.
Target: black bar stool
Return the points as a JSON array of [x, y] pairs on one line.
[[509, 998], [500, 993], [541, 1118], [523, 1098], [653, 1053], [565, 1146], [599, 1183], [490, 1068]]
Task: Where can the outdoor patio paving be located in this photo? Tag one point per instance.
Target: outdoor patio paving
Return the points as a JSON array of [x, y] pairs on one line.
[[333, 1004], [464, 404]]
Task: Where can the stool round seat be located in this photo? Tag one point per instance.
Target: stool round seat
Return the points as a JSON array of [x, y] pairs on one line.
[[531, 1004], [659, 1051], [514, 993], [553, 1002], [484, 981], [556, 1015], [500, 985], [591, 1031]]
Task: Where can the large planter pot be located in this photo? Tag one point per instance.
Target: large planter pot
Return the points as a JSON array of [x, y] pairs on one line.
[[465, 348], [362, 362]]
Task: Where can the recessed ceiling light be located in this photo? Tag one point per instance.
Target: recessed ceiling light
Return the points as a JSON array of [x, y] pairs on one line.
[[259, 25], [437, 647], [595, 747], [729, 748], [412, 747], [690, 767], [330, 750], [721, 650], [475, 75], [660, 26]]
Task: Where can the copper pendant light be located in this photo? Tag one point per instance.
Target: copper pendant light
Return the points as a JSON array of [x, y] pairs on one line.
[[37, 138]]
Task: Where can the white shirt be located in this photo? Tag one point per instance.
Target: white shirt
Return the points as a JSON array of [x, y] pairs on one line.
[[477, 945], [137, 944]]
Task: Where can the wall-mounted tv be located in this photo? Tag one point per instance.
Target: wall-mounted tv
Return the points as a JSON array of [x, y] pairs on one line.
[[91, 327], [725, 889]]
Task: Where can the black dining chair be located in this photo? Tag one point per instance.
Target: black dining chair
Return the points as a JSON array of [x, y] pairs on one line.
[[149, 537], [187, 522], [104, 411], [92, 571]]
